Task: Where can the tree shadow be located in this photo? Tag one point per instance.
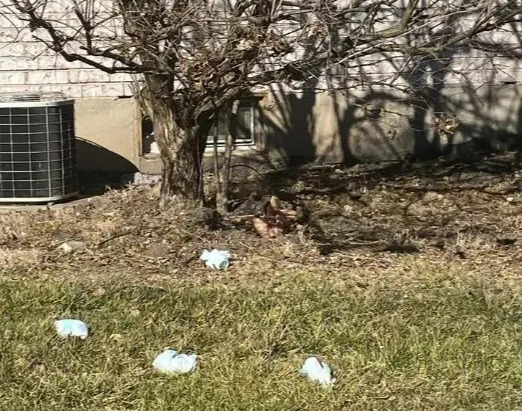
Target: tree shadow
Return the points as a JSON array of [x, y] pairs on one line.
[[453, 128], [290, 135], [289, 128], [99, 168], [451, 104]]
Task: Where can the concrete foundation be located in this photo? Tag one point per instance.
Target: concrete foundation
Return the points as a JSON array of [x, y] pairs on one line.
[[325, 127], [108, 134], [383, 126]]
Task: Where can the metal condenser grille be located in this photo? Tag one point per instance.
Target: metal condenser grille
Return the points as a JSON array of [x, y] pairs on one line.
[[37, 151]]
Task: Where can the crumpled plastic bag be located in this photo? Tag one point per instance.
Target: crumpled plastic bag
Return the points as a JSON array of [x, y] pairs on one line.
[[172, 362], [71, 328], [317, 370], [216, 259]]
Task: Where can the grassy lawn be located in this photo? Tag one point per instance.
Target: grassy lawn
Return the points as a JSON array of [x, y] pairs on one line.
[[423, 345], [411, 293]]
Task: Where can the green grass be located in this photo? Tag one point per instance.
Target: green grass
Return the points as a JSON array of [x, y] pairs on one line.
[[424, 346]]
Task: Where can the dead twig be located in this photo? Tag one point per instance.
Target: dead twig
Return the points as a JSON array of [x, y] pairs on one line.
[[114, 237]]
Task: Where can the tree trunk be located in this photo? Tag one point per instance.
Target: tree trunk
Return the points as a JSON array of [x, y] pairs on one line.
[[181, 155], [181, 145], [224, 180], [215, 161]]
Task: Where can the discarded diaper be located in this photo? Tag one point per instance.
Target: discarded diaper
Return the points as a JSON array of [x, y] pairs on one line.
[[317, 370], [171, 362], [71, 328], [216, 259]]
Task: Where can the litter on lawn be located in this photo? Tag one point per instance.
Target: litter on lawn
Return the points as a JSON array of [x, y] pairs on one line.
[[216, 259], [172, 362], [317, 370], [71, 328]]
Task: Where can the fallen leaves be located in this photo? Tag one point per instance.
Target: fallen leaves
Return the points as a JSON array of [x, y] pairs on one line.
[[131, 233], [275, 221]]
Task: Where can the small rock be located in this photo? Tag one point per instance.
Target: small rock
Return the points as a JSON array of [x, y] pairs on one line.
[[348, 208], [140, 179], [250, 207], [100, 202], [70, 246]]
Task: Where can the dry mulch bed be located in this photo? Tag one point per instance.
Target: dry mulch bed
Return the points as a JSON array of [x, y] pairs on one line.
[[374, 217]]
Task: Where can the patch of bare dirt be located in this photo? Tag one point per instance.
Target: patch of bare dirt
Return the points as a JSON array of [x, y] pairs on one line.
[[374, 217]]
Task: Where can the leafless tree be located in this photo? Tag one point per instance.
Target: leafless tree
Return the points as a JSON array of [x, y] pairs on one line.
[[194, 57]]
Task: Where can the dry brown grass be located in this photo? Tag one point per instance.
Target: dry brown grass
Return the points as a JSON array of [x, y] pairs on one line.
[[15, 260], [392, 222]]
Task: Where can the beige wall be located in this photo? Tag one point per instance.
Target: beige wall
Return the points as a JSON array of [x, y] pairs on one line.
[[107, 132], [107, 124], [359, 126]]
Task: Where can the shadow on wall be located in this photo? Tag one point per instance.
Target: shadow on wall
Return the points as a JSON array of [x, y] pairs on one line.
[[384, 125], [99, 168], [401, 107], [288, 124], [93, 157], [335, 127]]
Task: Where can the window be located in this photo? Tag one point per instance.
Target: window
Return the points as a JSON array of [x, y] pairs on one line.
[[245, 131]]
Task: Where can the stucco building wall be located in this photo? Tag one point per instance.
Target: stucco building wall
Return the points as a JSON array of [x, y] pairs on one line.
[[484, 94]]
